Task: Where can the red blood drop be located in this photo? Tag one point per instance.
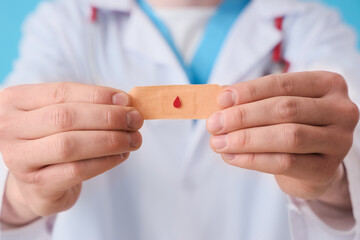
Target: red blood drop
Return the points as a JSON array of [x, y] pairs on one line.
[[177, 103]]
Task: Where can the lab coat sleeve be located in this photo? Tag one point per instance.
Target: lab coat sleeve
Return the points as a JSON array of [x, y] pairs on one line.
[[45, 55], [320, 41]]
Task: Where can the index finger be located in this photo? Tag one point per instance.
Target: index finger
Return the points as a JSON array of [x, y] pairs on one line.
[[34, 96], [301, 84]]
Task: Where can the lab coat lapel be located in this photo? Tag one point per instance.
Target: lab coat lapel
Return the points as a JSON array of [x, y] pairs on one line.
[[143, 38], [112, 5], [251, 38]]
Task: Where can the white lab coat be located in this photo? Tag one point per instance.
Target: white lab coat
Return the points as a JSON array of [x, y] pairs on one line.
[[175, 187]]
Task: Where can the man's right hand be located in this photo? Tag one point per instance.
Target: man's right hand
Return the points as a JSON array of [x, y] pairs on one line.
[[54, 136]]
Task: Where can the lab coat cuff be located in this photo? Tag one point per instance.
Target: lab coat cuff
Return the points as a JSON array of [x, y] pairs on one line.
[[352, 165], [38, 230], [306, 225], [3, 176]]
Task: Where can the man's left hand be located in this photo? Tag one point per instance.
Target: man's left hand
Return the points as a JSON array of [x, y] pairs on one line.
[[297, 126]]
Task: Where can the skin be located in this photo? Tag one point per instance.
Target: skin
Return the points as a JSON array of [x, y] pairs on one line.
[[66, 134], [296, 126]]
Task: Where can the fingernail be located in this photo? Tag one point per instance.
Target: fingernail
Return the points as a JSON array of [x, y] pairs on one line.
[[133, 139], [134, 119], [228, 157], [227, 99], [120, 98], [219, 142], [215, 122]]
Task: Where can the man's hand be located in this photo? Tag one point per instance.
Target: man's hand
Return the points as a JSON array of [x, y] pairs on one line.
[[297, 126], [54, 136]]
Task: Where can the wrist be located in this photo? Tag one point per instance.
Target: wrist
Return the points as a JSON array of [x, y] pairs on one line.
[[338, 194], [14, 212], [334, 206]]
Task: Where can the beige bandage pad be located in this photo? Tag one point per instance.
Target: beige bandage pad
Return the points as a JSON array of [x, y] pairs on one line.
[[157, 102]]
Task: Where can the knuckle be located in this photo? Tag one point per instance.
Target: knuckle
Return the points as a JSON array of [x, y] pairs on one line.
[[294, 136], [63, 146], [326, 76], [6, 95], [284, 84], [73, 170], [114, 140], [98, 96], [242, 139], [251, 91], [287, 109], [240, 116], [36, 178], [61, 117], [60, 91], [349, 115], [95, 95], [9, 160], [336, 77], [336, 81], [5, 124], [346, 142], [285, 163], [249, 161], [354, 114], [110, 119]]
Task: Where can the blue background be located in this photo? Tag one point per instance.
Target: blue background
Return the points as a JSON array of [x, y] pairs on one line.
[[13, 13]]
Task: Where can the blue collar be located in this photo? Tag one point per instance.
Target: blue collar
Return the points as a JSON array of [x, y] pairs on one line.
[[216, 31]]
